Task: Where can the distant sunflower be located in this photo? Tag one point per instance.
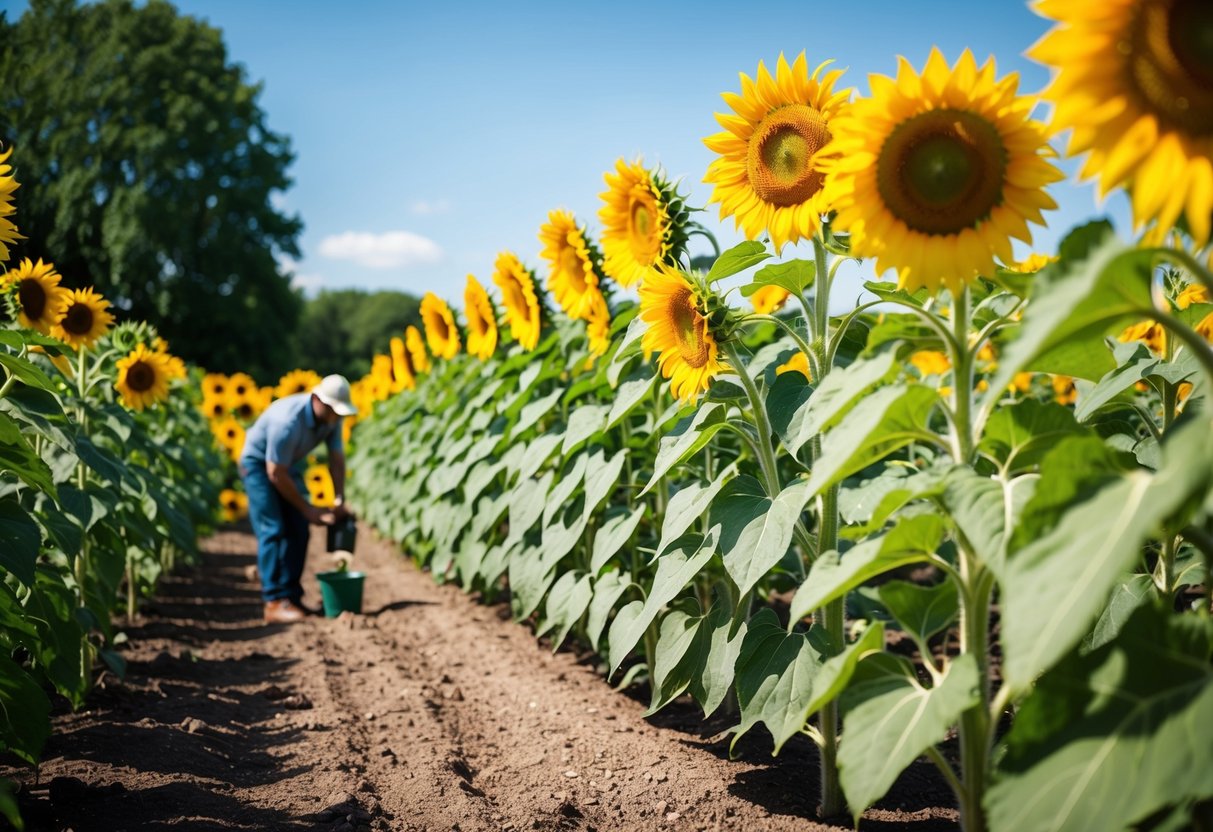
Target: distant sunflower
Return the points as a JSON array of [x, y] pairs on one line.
[[230, 435], [143, 377], [798, 363], [1133, 80], [319, 485], [1192, 293], [382, 383], [935, 173], [252, 404], [214, 385], [84, 319], [403, 377], [1150, 333], [679, 330], [8, 231], [598, 326], [296, 381], [40, 299], [520, 299], [1064, 391], [572, 260], [214, 407], [239, 385], [416, 347], [482, 320], [766, 177], [931, 362], [769, 299], [233, 505], [643, 222], [440, 331], [1032, 263]]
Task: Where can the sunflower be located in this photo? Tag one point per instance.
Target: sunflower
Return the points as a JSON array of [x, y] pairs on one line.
[[143, 377], [643, 222], [84, 319], [233, 504], [40, 299], [1064, 391], [403, 377], [230, 435], [482, 320], [1197, 293], [8, 231], [239, 385], [798, 363], [214, 385], [296, 381], [319, 485], [382, 384], [769, 299], [1133, 80], [440, 331], [416, 348], [573, 263], [678, 329], [935, 173], [931, 362], [1032, 263], [214, 407], [598, 325], [766, 177], [520, 299], [1150, 333]]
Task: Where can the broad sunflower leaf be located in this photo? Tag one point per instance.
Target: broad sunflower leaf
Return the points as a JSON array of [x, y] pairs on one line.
[[1108, 739], [1017, 437], [922, 610], [536, 410], [737, 259], [585, 421], [913, 540], [696, 654], [986, 510], [526, 505], [755, 530], [567, 483], [19, 458], [614, 532], [691, 433], [631, 392], [841, 389], [530, 577], [891, 719], [608, 589], [690, 503], [53, 609], [20, 540], [793, 276], [1133, 363], [787, 405], [26, 371], [538, 451], [1131, 593], [27, 712], [566, 602], [602, 477]]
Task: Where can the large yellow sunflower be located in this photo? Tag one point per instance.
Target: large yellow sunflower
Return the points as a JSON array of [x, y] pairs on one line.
[[641, 222], [416, 347], [520, 298], [40, 299], [572, 260], [769, 299], [1133, 79], [482, 320], [296, 381], [8, 231], [935, 173], [678, 329], [598, 325], [440, 331], [143, 377], [403, 377], [766, 177], [84, 319]]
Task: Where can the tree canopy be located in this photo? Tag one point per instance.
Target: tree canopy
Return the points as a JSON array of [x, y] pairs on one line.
[[340, 330], [148, 169]]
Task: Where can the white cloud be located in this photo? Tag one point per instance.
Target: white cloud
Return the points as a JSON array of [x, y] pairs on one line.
[[389, 250], [425, 207]]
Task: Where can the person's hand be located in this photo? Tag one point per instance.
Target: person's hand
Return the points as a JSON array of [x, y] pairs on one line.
[[319, 517], [341, 511]]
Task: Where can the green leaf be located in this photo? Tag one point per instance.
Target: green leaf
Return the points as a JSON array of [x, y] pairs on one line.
[[913, 540], [632, 391], [27, 712], [566, 486], [530, 577], [9, 810], [889, 419], [1108, 739], [1128, 596], [921, 610], [755, 530], [608, 589], [585, 421], [25, 371], [891, 719], [737, 259], [19, 458], [602, 477], [690, 434], [614, 532], [1017, 437], [52, 608], [538, 451], [793, 276], [696, 653], [690, 503], [1134, 362], [1055, 588], [985, 510], [20, 539], [675, 570], [841, 389], [536, 410], [566, 603]]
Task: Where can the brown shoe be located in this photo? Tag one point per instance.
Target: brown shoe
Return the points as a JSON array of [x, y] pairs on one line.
[[282, 611]]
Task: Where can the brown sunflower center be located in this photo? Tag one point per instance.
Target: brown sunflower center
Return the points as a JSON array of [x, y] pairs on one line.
[[245, 410], [1170, 61], [140, 377], [78, 320], [511, 291], [438, 324], [942, 171], [779, 160], [690, 329], [476, 321], [32, 296], [571, 263]]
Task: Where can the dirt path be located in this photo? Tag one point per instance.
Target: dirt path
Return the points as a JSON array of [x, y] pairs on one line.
[[429, 712]]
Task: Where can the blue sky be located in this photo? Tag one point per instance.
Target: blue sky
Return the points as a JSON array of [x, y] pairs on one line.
[[431, 136]]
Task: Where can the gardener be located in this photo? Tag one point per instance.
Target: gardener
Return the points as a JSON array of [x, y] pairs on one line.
[[270, 464]]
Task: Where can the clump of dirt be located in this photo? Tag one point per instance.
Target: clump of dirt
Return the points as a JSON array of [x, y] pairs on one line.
[[426, 712]]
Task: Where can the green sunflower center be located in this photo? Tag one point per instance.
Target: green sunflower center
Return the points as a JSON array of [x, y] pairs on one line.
[[1170, 62], [78, 319], [689, 328], [32, 296], [779, 160], [942, 171], [140, 377]]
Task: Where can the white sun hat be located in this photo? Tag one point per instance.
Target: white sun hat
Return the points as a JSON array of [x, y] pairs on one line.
[[334, 391]]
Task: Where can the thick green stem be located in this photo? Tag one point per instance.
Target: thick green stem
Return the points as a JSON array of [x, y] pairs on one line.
[[766, 454], [975, 728]]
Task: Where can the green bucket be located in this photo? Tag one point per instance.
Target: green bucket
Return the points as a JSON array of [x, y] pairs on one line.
[[341, 591]]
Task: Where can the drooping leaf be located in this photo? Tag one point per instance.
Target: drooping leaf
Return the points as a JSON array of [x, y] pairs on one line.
[[27, 712], [585, 421], [690, 434], [690, 503], [737, 259], [794, 276], [696, 654], [565, 604], [755, 530], [632, 391], [616, 530], [20, 539], [922, 610], [1017, 437], [608, 589]]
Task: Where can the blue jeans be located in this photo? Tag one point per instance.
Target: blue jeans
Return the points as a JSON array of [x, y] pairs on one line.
[[282, 534]]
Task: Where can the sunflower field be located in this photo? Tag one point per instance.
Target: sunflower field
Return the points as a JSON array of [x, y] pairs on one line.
[[970, 518]]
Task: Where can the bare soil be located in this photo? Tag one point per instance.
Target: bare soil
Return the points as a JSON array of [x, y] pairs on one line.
[[428, 712]]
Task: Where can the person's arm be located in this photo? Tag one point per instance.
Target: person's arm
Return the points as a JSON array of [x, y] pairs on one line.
[[337, 471], [280, 476]]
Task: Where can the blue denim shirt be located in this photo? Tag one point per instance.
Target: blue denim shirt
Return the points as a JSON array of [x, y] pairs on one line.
[[287, 432]]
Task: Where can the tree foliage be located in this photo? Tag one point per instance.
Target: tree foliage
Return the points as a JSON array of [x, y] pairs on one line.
[[339, 330], [147, 170]]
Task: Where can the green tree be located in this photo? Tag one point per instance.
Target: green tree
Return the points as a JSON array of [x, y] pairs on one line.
[[147, 169], [341, 330]]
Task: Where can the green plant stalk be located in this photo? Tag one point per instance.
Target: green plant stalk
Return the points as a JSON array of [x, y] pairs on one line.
[[82, 557]]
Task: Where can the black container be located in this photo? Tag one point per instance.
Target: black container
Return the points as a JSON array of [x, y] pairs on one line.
[[341, 535]]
